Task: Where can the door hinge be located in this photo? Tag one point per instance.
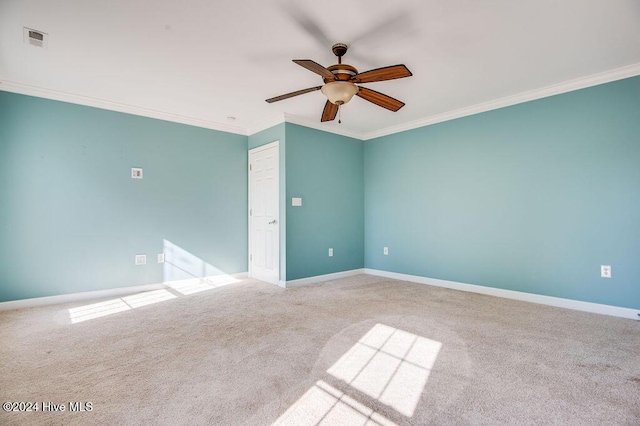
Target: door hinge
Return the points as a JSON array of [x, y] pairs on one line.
[[250, 167], [251, 257], [250, 212]]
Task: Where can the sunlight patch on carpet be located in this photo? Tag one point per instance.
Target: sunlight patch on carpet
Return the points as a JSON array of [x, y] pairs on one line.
[[187, 274], [389, 365], [183, 272], [102, 309], [324, 404], [196, 285], [148, 298]]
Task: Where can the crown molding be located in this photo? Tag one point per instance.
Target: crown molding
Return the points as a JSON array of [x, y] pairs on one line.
[[531, 95], [24, 89], [266, 124], [294, 119], [556, 89]]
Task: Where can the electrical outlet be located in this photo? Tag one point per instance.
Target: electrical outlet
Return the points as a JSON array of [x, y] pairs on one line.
[[141, 259], [605, 271], [330, 252], [385, 251], [136, 173], [160, 257]]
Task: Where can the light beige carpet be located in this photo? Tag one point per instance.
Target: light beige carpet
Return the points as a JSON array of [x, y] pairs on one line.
[[361, 350]]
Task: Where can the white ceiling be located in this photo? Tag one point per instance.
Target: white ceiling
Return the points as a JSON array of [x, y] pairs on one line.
[[205, 60]]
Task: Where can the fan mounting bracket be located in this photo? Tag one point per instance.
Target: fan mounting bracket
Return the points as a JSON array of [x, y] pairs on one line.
[[339, 49]]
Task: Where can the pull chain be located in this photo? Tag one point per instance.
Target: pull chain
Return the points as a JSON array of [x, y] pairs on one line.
[[339, 120]]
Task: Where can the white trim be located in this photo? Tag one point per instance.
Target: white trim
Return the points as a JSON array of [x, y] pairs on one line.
[[266, 124], [555, 89], [294, 119], [24, 89], [97, 294], [577, 305], [320, 278], [289, 118], [531, 95]]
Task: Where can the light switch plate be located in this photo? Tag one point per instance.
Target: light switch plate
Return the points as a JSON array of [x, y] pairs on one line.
[[385, 251], [296, 202], [160, 257], [141, 259], [136, 173], [330, 252]]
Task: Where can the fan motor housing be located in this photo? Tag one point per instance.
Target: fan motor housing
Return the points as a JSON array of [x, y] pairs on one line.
[[342, 72]]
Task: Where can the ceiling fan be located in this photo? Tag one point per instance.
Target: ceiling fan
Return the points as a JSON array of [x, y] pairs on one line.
[[340, 83]]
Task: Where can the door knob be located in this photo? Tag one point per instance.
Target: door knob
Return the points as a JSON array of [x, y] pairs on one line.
[[273, 222]]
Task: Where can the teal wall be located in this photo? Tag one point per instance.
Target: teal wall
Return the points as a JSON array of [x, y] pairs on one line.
[[533, 198], [72, 219], [273, 134], [327, 171]]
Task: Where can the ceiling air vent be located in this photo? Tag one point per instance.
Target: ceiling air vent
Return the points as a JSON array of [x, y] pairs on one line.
[[35, 37]]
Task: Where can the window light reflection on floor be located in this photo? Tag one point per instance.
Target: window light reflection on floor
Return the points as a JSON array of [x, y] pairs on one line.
[[183, 273], [324, 404], [96, 310], [389, 365], [196, 285], [148, 298], [101, 309], [184, 287]]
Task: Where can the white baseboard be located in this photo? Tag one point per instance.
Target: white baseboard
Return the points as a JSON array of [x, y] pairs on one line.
[[472, 288], [98, 294], [320, 278], [577, 305]]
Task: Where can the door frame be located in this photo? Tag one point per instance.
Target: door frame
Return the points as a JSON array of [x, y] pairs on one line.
[[270, 145]]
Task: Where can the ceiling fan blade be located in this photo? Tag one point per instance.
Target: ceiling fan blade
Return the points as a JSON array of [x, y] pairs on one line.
[[398, 24], [382, 74], [292, 94], [315, 67], [380, 99], [306, 22], [329, 112]]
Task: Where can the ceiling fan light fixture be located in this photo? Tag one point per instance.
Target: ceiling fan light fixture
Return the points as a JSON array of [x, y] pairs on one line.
[[340, 84], [339, 92]]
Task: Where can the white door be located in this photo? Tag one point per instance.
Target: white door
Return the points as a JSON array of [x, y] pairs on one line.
[[264, 226]]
